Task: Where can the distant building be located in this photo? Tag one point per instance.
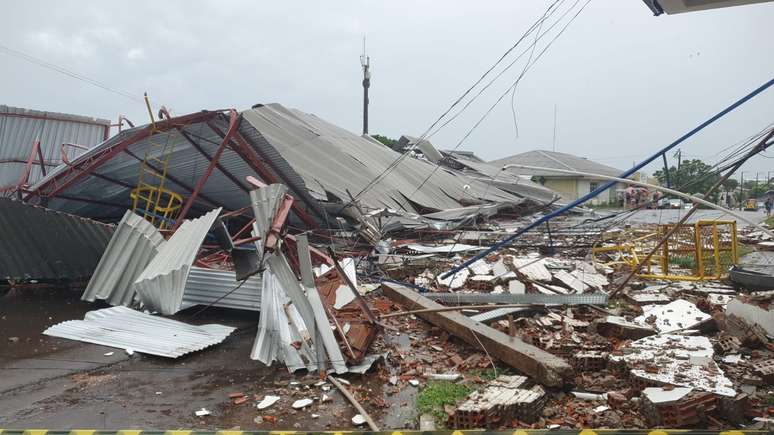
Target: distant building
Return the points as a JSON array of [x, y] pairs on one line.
[[570, 187]]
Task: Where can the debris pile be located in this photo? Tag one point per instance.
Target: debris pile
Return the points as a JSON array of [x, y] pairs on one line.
[[348, 268]]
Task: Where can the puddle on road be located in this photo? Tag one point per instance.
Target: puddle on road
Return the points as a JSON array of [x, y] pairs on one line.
[[26, 313]]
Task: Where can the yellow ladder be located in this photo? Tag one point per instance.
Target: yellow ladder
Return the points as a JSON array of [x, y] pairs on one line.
[[150, 199]]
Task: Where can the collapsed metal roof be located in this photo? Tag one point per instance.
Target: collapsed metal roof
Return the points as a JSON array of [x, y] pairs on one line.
[[323, 165]]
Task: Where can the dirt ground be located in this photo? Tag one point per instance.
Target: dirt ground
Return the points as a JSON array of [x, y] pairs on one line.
[[55, 383]]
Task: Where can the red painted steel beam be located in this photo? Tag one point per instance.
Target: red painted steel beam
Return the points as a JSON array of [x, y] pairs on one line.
[[275, 229], [240, 146], [220, 167], [25, 176], [232, 125], [79, 170]]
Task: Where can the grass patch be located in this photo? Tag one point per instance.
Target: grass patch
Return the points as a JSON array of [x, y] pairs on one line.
[[436, 395], [687, 261], [486, 374], [769, 221]]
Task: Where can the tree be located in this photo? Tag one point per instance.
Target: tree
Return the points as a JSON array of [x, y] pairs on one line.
[[390, 142], [694, 176], [730, 185]]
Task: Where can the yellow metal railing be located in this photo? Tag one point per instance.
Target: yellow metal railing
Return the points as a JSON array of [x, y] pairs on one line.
[[151, 199], [701, 251]]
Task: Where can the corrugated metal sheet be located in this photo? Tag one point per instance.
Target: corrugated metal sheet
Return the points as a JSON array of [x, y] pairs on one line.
[[124, 328], [134, 243], [275, 335], [208, 286], [42, 244], [20, 128], [525, 298], [186, 164], [317, 160], [265, 202], [161, 284], [334, 161]]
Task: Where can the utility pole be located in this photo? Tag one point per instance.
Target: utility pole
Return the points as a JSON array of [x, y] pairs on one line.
[[679, 156], [741, 190], [365, 62], [554, 147]]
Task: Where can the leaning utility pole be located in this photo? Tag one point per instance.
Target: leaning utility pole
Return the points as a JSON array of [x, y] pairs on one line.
[[365, 62]]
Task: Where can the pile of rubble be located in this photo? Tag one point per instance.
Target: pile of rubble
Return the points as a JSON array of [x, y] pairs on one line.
[[350, 283]]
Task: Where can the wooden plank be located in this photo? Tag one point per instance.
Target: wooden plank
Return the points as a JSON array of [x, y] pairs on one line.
[[548, 369]]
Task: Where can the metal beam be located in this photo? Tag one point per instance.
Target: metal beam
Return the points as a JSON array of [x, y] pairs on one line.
[[55, 185], [241, 147], [178, 182], [232, 124], [220, 167], [548, 369]]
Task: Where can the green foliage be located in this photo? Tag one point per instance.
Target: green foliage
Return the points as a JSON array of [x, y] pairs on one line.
[[436, 395], [486, 374], [390, 142], [694, 176]]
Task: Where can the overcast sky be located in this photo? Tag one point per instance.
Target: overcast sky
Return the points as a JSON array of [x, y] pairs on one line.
[[624, 82]]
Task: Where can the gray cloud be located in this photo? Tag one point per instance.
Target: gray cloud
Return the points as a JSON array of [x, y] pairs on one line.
[[624, 82]]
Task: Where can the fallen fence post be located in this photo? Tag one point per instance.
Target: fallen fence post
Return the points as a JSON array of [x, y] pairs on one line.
[[546, 368]]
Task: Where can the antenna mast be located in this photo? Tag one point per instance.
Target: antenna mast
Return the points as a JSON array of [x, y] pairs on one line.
[[365, 62]]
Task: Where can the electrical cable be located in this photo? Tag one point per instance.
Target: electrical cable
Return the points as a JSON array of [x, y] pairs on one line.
[[515, 83], [68, 73], [400, 158]]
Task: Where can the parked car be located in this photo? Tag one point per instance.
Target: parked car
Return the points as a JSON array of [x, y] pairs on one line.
[[670, 203]]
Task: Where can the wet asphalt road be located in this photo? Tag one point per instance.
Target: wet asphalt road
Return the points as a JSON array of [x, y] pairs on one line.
[[47, 382]]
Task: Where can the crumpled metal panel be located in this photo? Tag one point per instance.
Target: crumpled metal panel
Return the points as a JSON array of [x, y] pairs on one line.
[[334, 161], [275, 335], [125, 328], [161, 284], [216, 287], [42, 244], [265, 202], [134, 243]]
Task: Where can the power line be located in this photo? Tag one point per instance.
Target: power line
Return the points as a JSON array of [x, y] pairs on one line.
[[67, 72], [424, 135], [515, 83]]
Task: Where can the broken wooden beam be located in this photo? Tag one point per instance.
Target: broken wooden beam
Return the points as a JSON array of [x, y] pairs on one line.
[[548, 369]]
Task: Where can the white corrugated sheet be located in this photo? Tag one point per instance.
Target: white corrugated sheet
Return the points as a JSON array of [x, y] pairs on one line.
[[124, 328], [216, 287], [134, 243], [162, 283], [275, 335]]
